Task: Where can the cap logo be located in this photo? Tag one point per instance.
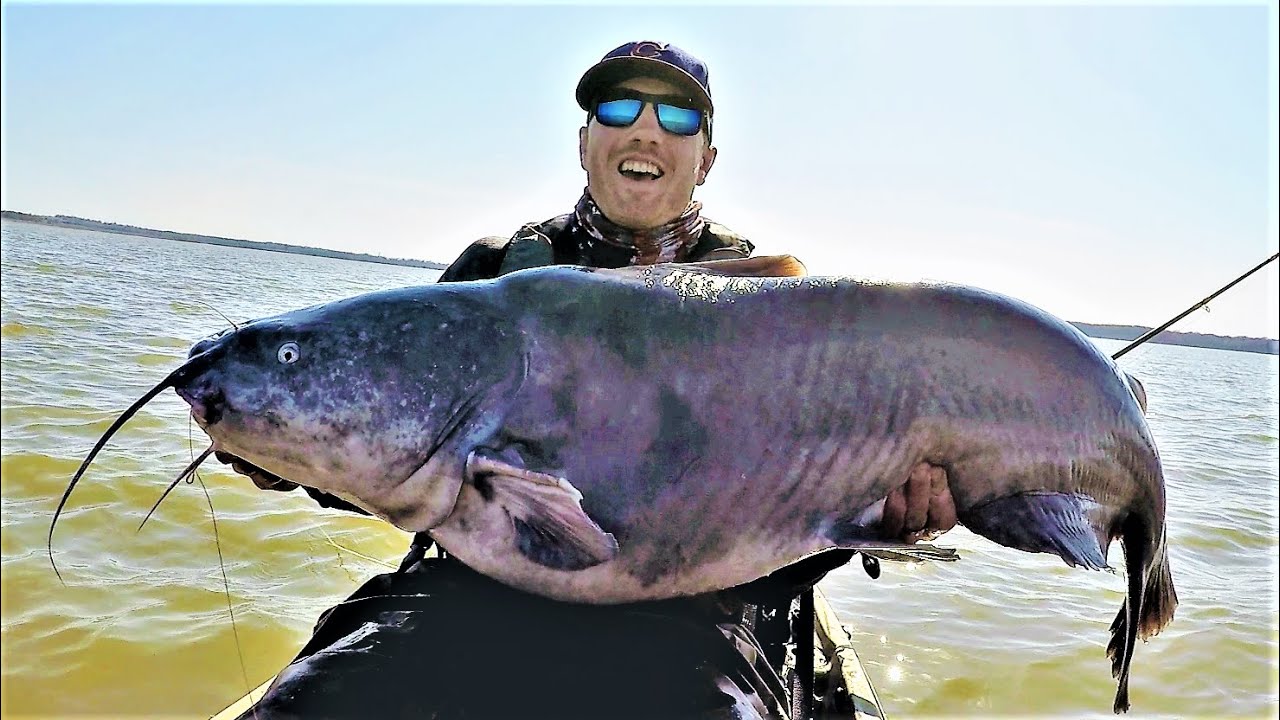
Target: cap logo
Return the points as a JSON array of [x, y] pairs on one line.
[[648, 49]]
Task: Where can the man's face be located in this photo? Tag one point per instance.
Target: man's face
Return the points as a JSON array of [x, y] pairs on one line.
[[639, 198]]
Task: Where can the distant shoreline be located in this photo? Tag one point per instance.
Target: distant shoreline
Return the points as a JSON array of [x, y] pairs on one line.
[[68, 221], [1263, 346]]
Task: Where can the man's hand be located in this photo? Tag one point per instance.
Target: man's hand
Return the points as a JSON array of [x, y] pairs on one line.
[[263, 479], [270, 481], [922, 508]]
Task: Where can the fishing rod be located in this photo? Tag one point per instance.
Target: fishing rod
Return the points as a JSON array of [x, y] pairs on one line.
[[1191, 309]]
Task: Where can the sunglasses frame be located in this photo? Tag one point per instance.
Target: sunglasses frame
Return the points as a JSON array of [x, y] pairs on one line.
[[679, 102]]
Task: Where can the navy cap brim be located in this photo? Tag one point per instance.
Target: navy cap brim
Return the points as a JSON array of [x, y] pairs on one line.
[[611, 71]]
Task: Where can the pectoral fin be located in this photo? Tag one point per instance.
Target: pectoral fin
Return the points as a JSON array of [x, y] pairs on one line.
[[551, 528], [1055, 523]]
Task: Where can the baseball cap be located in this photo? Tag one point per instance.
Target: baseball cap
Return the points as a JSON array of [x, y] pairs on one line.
[[648, 59]]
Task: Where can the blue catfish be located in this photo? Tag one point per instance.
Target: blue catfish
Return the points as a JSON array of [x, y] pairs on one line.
[[607, 436]]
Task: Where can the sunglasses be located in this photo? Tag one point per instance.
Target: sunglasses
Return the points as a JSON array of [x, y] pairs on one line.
[[622, 109]]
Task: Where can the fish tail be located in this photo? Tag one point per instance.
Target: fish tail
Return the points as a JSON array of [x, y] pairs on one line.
[[1147, 608]]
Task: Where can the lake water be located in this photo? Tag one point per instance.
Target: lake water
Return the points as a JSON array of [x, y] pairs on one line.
[[141, 626]]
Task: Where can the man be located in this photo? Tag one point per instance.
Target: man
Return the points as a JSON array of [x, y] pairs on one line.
[[643, 154], [645, 146]]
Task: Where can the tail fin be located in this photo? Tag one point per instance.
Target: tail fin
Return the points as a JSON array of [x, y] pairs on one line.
[[1139, 391], [1147, 608]]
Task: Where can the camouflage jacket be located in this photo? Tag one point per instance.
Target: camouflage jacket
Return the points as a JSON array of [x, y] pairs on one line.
[[556, 242]]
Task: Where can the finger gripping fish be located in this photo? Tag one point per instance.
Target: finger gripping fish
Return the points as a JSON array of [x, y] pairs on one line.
[[608, 436]]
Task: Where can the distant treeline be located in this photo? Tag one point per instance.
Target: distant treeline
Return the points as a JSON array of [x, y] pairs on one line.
[[1113, 332], [84, 224], [1169, 337]]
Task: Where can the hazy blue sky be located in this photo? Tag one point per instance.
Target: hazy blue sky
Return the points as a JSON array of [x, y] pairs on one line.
[[1109, 164]]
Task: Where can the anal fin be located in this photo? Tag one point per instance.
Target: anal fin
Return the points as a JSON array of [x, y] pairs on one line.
[[1055, 523]]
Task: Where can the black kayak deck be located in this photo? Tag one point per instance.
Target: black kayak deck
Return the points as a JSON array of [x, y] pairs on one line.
[[443, 641]]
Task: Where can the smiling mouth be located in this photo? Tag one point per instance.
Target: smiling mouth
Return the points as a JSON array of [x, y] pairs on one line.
[[639, 170]]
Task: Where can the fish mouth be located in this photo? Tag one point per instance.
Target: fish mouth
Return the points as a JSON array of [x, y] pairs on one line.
[[207, 407]]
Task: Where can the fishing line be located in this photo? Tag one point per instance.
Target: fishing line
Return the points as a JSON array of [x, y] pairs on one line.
[[358, 554], [186, 474], [226, 586], [189, 471]]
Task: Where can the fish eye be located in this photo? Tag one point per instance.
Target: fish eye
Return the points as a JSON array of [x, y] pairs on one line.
[[288, 353]]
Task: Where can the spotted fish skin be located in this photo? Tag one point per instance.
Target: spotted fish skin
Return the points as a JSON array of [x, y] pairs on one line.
[[609, 436]]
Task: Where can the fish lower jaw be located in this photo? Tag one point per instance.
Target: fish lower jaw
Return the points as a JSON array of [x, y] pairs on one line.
[[424, 500], [409, 518], [296, 473]]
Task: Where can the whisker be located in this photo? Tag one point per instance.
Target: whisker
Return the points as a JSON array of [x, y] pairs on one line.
[[190, 469], [169, 381], [224, 317]]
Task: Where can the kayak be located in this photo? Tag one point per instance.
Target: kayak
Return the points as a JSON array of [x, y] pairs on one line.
[[841, 686], [840, 678]]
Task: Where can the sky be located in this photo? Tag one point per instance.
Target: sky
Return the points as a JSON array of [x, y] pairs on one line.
[[1108, 164]]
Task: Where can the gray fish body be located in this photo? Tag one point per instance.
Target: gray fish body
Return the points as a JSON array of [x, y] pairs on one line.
[[717, 428]]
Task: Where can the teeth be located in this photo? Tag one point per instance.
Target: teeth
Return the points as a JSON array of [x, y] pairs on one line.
[[640, 166]]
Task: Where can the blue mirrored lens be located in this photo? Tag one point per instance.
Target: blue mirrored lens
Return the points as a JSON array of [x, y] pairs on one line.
[[681, 121], [619, 113]]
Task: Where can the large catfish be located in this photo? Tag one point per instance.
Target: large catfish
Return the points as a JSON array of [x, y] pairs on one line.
[[607, 436]]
